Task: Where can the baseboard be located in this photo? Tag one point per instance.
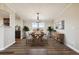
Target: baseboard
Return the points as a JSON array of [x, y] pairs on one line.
[[7, 46], [72, 48]]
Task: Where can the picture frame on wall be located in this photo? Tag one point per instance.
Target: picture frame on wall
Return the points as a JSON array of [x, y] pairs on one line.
[[6, 21], [62, 24]]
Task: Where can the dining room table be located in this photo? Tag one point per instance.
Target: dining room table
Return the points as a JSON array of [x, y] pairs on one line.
[[37, 38]]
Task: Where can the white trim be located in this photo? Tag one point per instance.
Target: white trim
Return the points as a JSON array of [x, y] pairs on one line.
[[76, 50], [7, 46]]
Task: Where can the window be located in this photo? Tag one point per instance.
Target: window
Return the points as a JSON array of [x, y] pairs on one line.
[[41, 25], [35, 25]]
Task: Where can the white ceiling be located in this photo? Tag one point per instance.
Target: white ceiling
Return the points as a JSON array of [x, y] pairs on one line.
[[27, 11], [4, 14]]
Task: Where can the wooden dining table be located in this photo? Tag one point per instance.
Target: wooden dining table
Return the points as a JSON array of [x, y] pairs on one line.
[[37, 38]]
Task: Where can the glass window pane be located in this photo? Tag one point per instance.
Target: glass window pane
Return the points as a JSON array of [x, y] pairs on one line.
[[41, 25], [35, 25]]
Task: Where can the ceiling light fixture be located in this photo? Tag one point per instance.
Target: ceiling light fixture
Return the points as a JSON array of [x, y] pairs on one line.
[[38, 17], [38, 21]]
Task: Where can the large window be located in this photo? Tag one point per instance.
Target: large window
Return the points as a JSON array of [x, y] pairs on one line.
[[35, 25]]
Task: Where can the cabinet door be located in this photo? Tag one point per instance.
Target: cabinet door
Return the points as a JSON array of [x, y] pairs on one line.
[[17, 34], [61, 37]]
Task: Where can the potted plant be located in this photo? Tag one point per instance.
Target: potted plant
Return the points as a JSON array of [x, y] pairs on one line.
[[50, 29], [25, 29]]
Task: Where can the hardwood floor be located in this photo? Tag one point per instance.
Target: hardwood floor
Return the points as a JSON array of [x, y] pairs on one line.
[[52, 48]]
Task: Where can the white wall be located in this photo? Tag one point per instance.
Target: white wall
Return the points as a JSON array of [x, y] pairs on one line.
[[1, 34], [8, 38], [71, 31], [7, 33], [1, 21], [1, 38]]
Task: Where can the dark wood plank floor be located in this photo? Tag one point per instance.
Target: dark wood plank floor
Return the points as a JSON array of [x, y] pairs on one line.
[[52, 48]]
